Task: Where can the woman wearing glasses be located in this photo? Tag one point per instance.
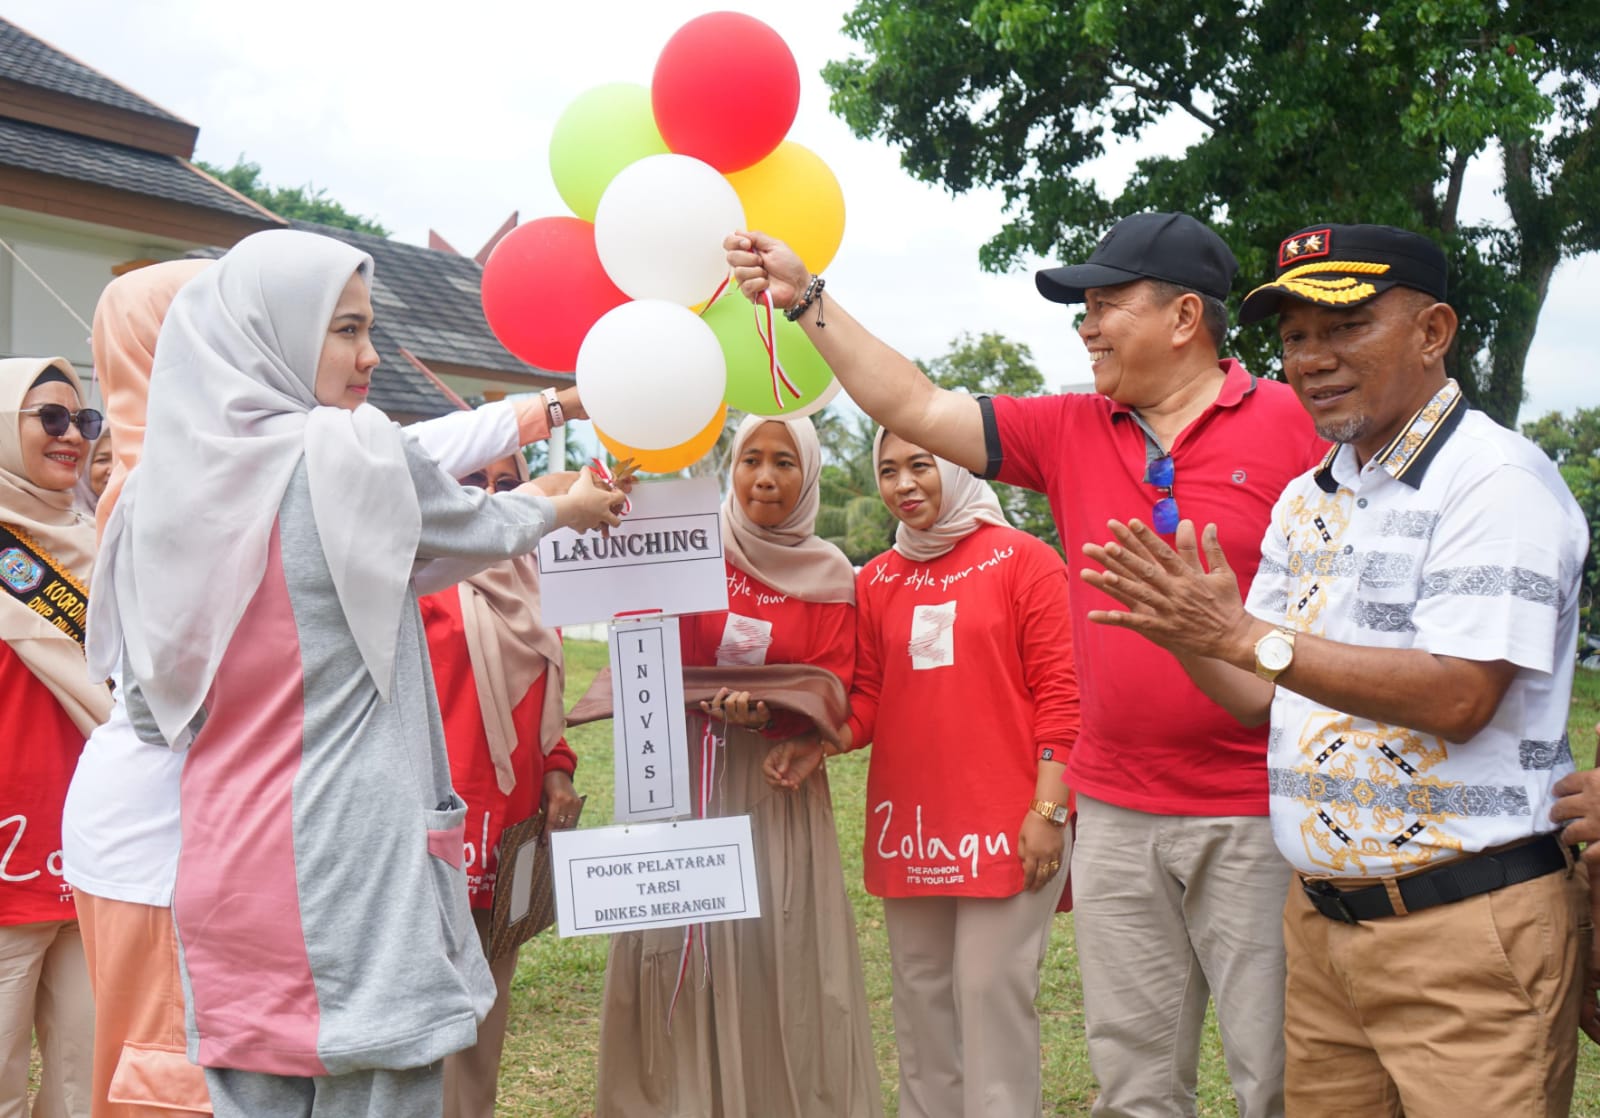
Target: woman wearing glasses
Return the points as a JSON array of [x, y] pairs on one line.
[[966, 814], [47, 708], [498, 674]]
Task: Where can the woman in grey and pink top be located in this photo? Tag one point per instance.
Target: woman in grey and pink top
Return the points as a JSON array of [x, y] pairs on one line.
[[256, 586]]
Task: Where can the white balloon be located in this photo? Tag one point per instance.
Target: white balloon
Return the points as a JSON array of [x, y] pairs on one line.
[[659, 230], [816, 405], [651, 374]]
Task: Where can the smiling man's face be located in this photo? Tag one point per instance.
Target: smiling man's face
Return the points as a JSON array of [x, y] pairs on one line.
[[1361, 372]]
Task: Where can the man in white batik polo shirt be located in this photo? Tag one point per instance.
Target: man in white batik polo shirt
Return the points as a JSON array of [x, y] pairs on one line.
[[1410, 633]]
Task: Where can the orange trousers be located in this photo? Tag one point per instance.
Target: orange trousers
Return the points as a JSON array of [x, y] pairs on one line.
[[141, 1067]]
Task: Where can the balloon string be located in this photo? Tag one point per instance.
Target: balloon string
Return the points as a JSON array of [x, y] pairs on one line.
[[717, 294], [769, 341]]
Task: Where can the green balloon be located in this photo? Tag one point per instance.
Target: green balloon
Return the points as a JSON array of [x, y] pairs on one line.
[[599, 133], [733, 321]]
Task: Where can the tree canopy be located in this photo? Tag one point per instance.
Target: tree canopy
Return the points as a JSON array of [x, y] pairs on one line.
[[1310, 111], [297, 203], [1573, 443]]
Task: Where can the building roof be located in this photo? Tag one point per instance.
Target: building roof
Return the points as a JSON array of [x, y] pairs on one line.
[[33, 62], [433, 304], [48, 151], [398, 388]]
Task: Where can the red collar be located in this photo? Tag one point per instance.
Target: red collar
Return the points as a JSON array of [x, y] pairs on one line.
[[1237, 383]]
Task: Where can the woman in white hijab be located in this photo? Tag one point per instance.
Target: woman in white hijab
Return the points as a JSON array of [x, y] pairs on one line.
[[965, 690], [255, 584]]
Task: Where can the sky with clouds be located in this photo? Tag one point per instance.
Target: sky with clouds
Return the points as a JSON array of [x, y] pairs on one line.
[[439, 116]]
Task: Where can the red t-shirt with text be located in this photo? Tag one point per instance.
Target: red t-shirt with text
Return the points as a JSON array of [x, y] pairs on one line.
[[765, 626], [41, 751], [964, 675]]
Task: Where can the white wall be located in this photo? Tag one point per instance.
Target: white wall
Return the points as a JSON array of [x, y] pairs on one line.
[[75, 259]]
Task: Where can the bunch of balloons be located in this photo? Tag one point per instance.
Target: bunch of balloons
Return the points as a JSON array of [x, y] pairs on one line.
[[625, 292]]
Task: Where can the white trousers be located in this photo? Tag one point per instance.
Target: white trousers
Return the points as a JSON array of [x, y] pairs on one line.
[[44, 988], [966, 973]]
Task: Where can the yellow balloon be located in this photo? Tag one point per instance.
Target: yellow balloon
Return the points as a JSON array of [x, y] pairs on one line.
[[674, 458], [793, 196]]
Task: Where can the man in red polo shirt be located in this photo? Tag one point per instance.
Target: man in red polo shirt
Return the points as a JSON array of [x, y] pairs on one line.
[[1178, 886]]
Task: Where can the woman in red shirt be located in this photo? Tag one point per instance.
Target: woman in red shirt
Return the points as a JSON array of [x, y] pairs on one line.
[[966, 691], [768, 1016], [47, 708], [498, 673]]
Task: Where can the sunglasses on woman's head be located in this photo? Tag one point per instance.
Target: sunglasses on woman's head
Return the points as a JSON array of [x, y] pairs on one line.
[[480, 480], [55, 419], [1159, 472]]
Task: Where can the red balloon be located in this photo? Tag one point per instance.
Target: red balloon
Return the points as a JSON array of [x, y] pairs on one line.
[[725, 90], [543, 287]]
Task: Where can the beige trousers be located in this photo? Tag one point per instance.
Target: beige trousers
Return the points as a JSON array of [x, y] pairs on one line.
[[472, 1076], [1171, 910], [141, 1062], [966, 973], [1462, 1009], [44, 988]]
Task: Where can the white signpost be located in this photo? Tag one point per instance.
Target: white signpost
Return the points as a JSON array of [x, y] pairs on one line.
[[650, 733], [654, 875], [666, 558]]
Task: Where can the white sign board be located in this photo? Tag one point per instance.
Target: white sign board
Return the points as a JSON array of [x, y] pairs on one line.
[[654, 875], [649, 730], [666, 558]]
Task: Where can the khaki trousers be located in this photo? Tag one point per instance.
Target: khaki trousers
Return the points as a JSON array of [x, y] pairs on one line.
[[472, 1076], [141, 1061], [1171, 910], [44, 988], [1462, 1009], [966, 973]]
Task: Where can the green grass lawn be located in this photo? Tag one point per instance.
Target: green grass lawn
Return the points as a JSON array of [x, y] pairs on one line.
[[549, 1064]]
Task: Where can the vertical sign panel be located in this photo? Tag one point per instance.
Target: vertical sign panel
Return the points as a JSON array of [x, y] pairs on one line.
[[649, 728]]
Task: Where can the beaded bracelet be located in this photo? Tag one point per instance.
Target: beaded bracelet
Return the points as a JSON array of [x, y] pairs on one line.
[[812, 294]]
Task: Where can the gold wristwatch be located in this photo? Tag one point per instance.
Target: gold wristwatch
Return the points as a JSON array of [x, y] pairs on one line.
[[1274, 654], [1055, 813]]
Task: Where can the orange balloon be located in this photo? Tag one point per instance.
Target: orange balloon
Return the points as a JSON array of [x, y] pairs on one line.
[[674, 458], [792, 195]]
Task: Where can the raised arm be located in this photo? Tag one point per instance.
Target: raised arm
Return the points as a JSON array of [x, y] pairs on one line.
[[463, 441], [884, 384]]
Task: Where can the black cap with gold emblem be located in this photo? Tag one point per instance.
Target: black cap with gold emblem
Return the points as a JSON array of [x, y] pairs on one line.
[[1345, 265]]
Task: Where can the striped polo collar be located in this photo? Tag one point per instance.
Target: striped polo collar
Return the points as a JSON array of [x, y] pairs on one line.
[[1412, 451]]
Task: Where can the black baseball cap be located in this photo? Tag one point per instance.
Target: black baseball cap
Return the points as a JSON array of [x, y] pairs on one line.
[[1347, 265], [1174, 248]]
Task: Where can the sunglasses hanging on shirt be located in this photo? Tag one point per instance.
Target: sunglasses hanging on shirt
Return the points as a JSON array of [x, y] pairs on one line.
[[1159, 472]]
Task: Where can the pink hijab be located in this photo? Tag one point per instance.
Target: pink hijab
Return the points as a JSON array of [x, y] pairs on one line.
[[790, 558], [127, 321]]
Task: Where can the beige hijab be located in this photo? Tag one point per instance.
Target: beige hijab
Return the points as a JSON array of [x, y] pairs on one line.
[[789, 558], [965, 502], [126, 322], [509, 648], [48, 518]]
